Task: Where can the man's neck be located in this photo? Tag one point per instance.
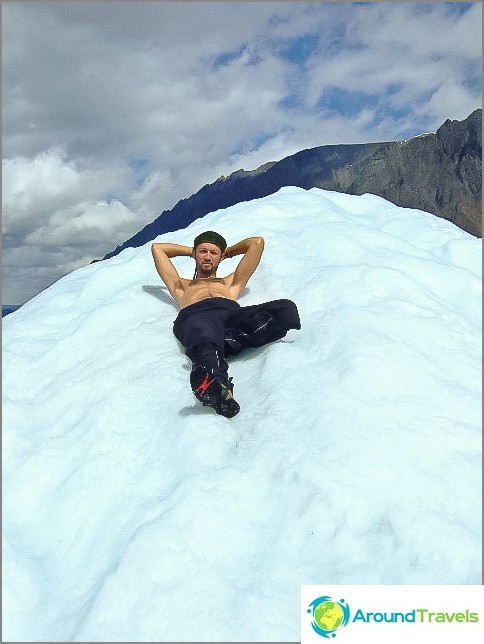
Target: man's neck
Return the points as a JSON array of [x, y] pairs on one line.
[[211, 276]]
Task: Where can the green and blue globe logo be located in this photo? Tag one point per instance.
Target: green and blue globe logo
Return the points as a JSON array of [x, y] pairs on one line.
[[328, 615]]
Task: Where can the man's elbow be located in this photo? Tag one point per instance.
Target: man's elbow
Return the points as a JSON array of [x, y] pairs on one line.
[[157, 251], [259, 241]]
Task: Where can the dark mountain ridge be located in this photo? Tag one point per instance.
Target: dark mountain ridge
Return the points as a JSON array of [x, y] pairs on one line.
[[439, 172]]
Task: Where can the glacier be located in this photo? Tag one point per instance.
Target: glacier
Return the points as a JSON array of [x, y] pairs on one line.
[[133, 514]]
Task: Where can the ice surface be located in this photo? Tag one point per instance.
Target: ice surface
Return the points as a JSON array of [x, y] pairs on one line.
[[131, 513]]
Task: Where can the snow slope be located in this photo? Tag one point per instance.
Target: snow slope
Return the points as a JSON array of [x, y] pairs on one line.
[[131, 513]]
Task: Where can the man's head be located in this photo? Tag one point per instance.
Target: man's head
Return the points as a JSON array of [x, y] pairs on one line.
[[208, 250], [212, 238]]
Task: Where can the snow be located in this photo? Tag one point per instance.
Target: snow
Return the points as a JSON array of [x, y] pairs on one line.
[[132, 513]]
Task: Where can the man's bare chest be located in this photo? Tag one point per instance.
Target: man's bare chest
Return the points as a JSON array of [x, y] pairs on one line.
[[199, 289]]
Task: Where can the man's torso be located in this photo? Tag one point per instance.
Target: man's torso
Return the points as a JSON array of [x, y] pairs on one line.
[[200, 289]]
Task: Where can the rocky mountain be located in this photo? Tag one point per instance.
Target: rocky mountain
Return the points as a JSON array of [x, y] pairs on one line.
[[437, 172]]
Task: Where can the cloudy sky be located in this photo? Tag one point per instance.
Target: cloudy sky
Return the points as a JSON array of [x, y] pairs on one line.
[[114, 111]]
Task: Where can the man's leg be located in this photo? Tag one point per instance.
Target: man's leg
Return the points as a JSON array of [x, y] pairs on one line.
[[209, 379], [207, 364], [259, 324], [200, 328]]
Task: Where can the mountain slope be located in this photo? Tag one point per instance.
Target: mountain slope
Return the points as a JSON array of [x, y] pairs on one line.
[[133, 514], [440, 173]]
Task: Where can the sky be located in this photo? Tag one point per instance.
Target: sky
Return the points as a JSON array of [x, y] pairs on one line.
[[133, 514], [113, 112]]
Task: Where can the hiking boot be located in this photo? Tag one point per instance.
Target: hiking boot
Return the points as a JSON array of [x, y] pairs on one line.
[[226, 404], [212, 392]]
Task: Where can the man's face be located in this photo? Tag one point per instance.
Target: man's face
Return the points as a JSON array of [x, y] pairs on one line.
[[207, 259]]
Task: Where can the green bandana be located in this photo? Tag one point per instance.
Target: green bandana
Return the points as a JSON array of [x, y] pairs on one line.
[[210, 237]]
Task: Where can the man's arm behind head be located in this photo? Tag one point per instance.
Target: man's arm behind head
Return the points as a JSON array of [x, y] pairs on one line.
[[166, 270], [252, 248]]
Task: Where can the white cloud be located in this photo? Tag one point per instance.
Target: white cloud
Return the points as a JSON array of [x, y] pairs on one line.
[[411, 46], [36, 190], [43, 183], [88, 87], [107, 222], [48, 225]]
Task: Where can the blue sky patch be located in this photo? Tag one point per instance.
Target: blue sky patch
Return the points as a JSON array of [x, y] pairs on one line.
[[226, 57], [458, 7], [249, 145], [137, 164], [291, 102], [345, 102], [473, 78], [297, 50]]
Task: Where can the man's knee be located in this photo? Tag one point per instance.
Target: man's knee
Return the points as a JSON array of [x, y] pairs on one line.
[[287, 315]]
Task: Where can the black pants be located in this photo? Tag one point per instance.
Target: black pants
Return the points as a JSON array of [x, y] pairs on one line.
[[217, 327]]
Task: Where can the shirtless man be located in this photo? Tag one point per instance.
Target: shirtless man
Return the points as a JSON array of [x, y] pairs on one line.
[[211, 324]]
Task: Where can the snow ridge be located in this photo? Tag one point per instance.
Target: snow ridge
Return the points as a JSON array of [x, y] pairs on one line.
[[131, 513]]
